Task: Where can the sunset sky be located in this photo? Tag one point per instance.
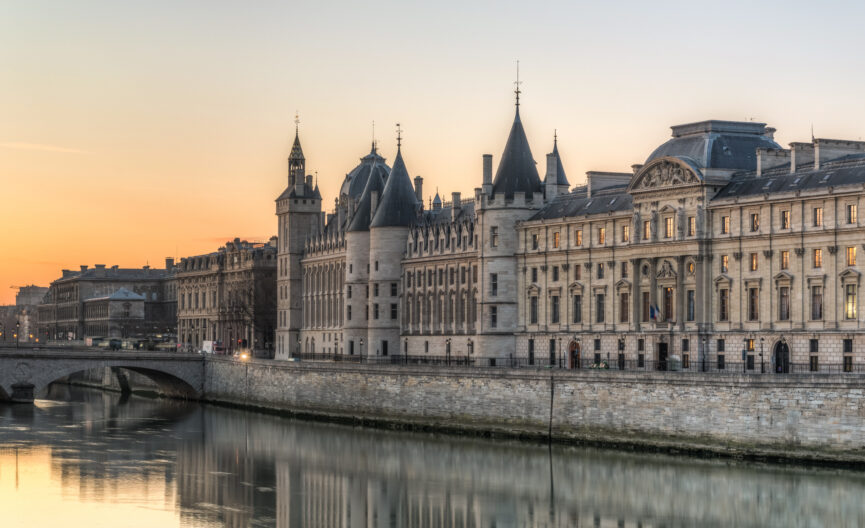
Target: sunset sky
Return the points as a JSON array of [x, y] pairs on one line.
[[135, 131]]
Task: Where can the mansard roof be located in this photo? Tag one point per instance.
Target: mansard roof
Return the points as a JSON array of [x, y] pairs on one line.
[[398, 205], [580, 204], [374, 183], [717, 144], [517, 170], [443, 215], [355, 181], [307, 192], [832, 175]]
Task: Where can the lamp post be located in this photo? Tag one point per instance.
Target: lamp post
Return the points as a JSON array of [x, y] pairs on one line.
[[448, 351], [17, 332], [361, 350], [762, 365]]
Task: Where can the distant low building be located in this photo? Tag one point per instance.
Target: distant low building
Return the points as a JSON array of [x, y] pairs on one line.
[[20, 319], [229, 297], [92, 302]]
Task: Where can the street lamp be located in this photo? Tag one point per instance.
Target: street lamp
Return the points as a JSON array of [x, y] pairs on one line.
[[17, 327], [361, 350]]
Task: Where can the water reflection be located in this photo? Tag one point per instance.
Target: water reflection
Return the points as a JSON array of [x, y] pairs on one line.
[[84, 457]]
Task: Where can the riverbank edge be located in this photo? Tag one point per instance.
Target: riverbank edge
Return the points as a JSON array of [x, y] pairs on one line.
[[631, 441]]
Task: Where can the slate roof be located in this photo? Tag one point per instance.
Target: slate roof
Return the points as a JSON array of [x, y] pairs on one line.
[[308, 192], [296, 151], [398, 205], [355, 181], [579, 204], [121, 294], [717, 144], [517, 170], [830, 176], [361, 219], [443, 215]]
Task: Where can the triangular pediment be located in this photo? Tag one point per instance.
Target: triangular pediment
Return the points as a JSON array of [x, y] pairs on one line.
[[722, 279], [622, 283], [534, 290], [783, 276], [575, 287], [849, 274]]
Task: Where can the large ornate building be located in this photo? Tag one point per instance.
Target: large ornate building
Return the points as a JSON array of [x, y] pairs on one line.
[[722, 250]]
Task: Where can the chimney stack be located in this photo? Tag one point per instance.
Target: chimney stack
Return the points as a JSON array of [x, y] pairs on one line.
[[456, 205], [552, 177], [169, 263], [488, 174], [418, 188]]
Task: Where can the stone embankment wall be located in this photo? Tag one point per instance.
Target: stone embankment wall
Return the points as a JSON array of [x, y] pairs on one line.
[[795, 416]]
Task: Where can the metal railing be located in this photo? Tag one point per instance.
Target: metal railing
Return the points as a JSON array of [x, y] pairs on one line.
[[604, 364]]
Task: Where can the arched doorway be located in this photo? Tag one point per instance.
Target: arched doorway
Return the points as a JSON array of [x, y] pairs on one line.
[[781, 358], [574, 355]]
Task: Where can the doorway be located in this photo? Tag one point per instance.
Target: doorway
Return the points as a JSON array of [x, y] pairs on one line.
[[782, 358], [574, 355], [662, 356]]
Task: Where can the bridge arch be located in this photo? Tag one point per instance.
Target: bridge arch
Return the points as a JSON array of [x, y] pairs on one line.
[[174, 375]]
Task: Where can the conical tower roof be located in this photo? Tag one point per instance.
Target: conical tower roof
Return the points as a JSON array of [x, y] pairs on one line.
[[398, 205], [517, 170], [560, 170], [361, 219]]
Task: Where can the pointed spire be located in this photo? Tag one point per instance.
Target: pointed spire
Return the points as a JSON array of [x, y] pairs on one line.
[[560, 169], [398, 206], [517, 170], [374, 183], [517, 88]]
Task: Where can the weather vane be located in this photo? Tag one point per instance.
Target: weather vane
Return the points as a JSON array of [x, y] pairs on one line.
[[398, 136], [296, 120], [517, 83]]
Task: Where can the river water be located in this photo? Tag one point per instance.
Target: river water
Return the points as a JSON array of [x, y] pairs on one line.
[[83, 457]]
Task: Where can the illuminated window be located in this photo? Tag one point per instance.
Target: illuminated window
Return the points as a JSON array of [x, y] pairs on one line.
[[754, 262], [578, 235], [851, 256], [725, 225], [852, 216], [755, 222], [818, 258], [785, 219], [816, 303], [725, 263], [692, 226], [668, 227], [626, 233], [785, 260], [647, 230], [818, 216], [602, 236], [850, 301], [556, 239]]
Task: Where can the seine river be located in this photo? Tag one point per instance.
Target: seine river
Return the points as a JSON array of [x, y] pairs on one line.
[[86, 458]]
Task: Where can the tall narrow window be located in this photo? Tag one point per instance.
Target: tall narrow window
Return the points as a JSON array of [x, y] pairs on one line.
[[725, 263], [577, 312], [599, 308], [754, 262], [494, 236], [602, 236], [624, 270], [852, 214], [692, 226], [555, 273], [494, 316], [785, 219], [851, 256], [626, 233], [554, 309], [668, 304], [725, 225], [556, 239], [818, 216], [850, 301], [724, 304], [601, 270], [494, 284], [784, 303], [816, 303], [534, 241], [753, 304], [533, 309], [534, 274], [393, 311], [692, 305], [668, 227], [646, 307], [647, 230], [623, 307], [578, 235], [818, 258], [755, 222], [785, 260]]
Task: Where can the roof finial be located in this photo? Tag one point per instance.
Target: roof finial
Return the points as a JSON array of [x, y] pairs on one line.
[[373, 136], [812, 132], [296, 121], [517, 83], [398, 136], [555, 137]]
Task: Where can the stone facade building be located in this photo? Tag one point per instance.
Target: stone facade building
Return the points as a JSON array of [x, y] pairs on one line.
[[722, 250], [71, 309], [228, 297]]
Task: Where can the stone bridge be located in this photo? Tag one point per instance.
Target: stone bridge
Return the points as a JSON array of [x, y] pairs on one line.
[[25, 372]]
